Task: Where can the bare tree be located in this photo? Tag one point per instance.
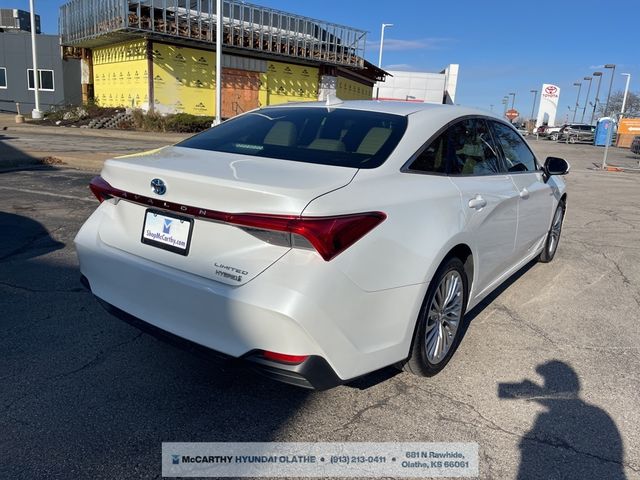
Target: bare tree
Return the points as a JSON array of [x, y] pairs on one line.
[[631, 109]]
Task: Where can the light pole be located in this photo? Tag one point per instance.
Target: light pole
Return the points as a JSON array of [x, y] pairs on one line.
[[586, 100], [579, 85], [384, 25], [613, 72], [533, 107], [513, 101], [491, 107], [596, 100], [35, 113], [626, 92], [505, 102], [218, 119]]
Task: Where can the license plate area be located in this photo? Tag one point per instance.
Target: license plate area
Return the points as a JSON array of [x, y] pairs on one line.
[[169, 232]]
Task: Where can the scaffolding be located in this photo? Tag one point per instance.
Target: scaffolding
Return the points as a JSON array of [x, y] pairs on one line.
[[93, 23]]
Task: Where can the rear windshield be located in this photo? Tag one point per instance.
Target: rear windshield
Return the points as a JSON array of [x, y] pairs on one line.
[[347, 138]]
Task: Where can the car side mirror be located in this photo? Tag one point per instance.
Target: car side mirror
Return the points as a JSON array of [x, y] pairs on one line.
[[556, 166]]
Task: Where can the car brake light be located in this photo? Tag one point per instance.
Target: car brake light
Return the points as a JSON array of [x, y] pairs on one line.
[[329, 236], [283, 357], [101, 189]]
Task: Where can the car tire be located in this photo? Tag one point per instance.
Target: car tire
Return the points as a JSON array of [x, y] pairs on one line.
[[553, 236], [553, 137], [573, 139], [440, 322]]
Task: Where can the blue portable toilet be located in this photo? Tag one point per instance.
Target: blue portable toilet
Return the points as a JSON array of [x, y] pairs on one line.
[[604, 129]]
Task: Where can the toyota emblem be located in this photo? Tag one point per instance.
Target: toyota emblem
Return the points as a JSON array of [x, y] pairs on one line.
[[158, 186]]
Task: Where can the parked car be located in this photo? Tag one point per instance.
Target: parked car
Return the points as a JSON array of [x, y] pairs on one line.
[[553, 133], [635, 145], [542, 130], [320, 242], [575, 133]]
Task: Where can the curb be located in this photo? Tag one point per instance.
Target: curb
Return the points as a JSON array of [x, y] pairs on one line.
[[89, 132]]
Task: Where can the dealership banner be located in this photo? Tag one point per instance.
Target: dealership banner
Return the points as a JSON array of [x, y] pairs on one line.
[[549, 97], [349, 459]]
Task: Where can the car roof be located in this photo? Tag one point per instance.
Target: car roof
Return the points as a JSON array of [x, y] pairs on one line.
[[395, 108]]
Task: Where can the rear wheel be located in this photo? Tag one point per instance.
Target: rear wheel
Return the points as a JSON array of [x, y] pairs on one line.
[[439, 325], [554, 136], [553, 237]]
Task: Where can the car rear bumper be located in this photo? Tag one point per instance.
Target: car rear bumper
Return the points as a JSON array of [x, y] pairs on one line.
[[313, 373], [301, 305]]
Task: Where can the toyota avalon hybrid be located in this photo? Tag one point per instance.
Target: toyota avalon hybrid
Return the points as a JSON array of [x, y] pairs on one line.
[[322, 241]]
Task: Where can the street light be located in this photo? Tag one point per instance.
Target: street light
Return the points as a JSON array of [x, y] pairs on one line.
[[491, 107], [586, 99], [35, 113], [613, 72], [384, 25], [533, 107], [596, 100], [513, 101], [626, 91], [579, 85], [505, 102]]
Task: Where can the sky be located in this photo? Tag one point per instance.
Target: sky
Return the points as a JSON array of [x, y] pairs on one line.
[[501, 46]]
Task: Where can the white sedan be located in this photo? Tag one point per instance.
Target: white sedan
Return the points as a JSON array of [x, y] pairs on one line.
[[322, 241]]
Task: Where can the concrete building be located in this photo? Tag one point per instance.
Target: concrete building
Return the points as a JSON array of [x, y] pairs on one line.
[[419, 86], [12, 19], [160, 55], [59, 78]]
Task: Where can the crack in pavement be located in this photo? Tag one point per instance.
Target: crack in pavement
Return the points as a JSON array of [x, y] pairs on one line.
[[99, 358], [500, 307], [46, 290]]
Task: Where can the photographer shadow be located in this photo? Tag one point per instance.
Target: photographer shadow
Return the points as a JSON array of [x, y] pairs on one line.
[[572, 439]]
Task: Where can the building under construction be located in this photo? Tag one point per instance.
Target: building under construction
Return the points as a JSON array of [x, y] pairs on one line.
[[160, 55]]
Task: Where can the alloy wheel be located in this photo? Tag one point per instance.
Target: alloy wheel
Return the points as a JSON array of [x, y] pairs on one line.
[[443, 317], [554, 233]]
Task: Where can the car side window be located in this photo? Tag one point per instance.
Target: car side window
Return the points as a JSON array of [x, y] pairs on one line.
[[433, 158], [472, 151], [516, 153]]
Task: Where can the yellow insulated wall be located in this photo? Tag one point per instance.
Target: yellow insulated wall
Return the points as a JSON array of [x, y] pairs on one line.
[[183, 80], [120, 77], [284, 82], [347, 89]]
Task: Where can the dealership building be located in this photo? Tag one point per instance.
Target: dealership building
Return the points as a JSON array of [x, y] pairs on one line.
[[160, 55]]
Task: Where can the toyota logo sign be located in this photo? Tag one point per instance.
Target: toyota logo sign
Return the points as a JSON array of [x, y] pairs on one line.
[[551, 90]]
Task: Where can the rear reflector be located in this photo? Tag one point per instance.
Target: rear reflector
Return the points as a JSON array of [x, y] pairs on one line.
[[328, 235], [284, 358]]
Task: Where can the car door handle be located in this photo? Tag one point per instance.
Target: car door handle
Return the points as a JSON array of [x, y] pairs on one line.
[[477, 202], [524, 193]]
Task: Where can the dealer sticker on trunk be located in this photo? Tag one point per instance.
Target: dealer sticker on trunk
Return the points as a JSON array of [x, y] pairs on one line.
[[167, 231]]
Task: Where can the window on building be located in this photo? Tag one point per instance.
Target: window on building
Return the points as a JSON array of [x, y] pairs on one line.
[[45, 77], [3, 77]]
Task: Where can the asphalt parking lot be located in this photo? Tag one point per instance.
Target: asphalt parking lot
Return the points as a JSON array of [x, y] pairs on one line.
[[546, 380]]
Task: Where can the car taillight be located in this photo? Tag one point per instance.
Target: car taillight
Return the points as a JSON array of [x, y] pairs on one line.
[[283, 357], [101, 189], [329, 236]]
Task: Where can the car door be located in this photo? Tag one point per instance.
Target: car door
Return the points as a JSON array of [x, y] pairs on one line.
[[489, 198], [536, 200]]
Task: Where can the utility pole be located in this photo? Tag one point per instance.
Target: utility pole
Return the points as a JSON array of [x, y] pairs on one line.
[[626, 92], [596, 100], [613, 72], [533, 107], [35, 113], [586, 100], [218, 118], [579, 85]]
